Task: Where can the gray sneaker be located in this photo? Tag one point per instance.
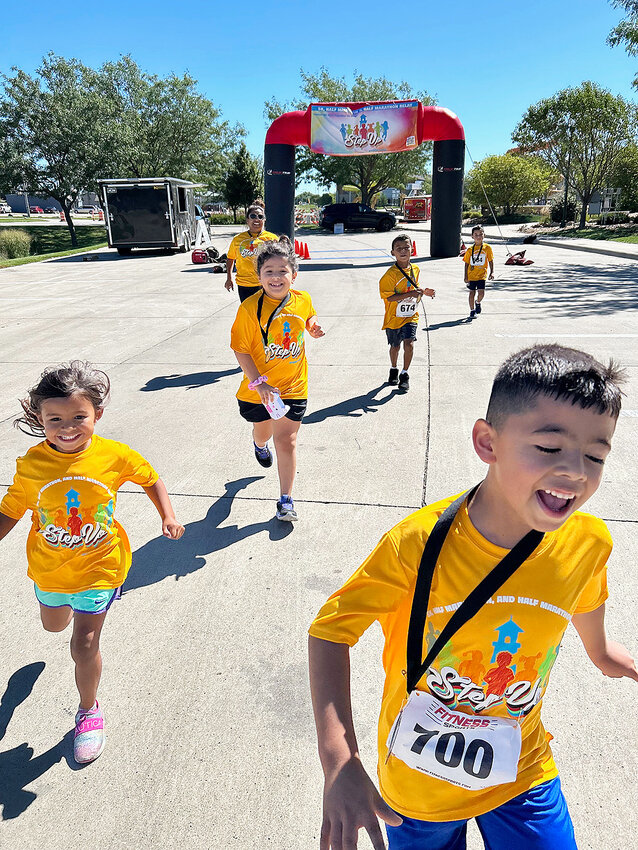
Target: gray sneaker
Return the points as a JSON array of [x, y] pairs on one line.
[[286, 510]]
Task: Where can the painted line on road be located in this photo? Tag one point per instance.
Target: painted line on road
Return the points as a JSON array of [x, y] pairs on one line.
[[629, 413]]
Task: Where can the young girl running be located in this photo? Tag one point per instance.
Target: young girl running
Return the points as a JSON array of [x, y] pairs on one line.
[[268, 340], [242, 251], [78, 554]]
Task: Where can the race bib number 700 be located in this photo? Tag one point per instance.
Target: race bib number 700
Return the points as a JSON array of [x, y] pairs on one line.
[[463, 749]]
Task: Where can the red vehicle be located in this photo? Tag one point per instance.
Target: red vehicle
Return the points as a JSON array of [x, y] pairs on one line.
[[37, 210], [418, 208]]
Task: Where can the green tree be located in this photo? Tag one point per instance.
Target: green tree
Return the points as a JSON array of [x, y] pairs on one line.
[[625, 177], [579, 132], [244, 181], [626, 33], [169, 128], [370, 174], [60, 129], [510, 181]]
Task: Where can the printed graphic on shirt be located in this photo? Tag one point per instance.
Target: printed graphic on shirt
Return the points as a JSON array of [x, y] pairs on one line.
[[284, 343], [71, 518], [511, 675]]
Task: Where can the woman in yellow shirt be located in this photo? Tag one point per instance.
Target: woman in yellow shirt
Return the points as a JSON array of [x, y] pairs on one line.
[[268, 340], [243, 249], [78, 554]]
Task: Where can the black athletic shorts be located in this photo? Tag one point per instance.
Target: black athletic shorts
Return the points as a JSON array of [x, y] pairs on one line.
[[476, 284], [396, 336], [252, 412], [246, 291]]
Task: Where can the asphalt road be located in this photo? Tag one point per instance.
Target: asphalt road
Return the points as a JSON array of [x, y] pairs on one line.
[[210, 735]]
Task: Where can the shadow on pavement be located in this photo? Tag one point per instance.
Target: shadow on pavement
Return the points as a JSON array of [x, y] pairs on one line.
[[356, 406], [18, 688], [191, 381], [160, 558], [453, 323], [18, 768]]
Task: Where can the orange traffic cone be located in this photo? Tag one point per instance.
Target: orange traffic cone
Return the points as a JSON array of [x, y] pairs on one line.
[[306, 252], [62, 216], [413, 249], [100, 215], [296, 248]]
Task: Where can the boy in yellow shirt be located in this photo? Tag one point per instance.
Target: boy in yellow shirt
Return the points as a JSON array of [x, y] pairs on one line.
[[400, 291], [476, 260], [482, 587]]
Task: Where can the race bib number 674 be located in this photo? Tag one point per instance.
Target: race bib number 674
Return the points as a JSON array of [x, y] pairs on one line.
[[463, 749]]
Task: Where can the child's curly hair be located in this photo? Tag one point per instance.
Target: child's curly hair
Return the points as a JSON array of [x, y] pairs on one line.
[[280, 248], [63, 381]]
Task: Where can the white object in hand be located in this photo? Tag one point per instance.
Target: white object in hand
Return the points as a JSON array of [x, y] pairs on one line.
[[276, 408]]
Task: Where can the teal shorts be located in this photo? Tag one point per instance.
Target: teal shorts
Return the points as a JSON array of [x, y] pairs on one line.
[[83, 602]]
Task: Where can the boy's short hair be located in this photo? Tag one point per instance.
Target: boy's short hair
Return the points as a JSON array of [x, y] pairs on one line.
[[477, 227], [401, 237], [565, 374]]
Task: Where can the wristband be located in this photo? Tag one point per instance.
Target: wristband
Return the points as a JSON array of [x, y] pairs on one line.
[[260, 380]]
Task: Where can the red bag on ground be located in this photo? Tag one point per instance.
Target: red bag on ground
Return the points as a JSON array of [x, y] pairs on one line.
[[463, 250], [518, 259], [199, 255]]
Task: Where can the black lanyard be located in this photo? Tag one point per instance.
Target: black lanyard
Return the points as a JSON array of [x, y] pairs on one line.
[[480, 251], [475, 600], [275, 312], [408, 277]]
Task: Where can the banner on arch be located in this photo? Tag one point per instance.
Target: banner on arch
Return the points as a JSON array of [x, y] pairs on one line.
[[373, 128]]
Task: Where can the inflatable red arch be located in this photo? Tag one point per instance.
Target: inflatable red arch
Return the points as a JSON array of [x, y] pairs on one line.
[[434, 123]]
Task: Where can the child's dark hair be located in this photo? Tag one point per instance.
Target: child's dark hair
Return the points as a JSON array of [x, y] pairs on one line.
[[565, 374], [63, 381], [281, 248], [477, 227], [401, 237]]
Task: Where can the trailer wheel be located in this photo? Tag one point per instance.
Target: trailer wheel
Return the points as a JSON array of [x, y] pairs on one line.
[[123, 252]]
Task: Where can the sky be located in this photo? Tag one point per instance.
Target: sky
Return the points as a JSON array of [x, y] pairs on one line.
[[487, 62]]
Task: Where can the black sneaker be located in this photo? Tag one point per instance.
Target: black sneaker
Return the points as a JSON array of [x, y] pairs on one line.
[[393, 377], [477, 308], [404, 381], [263, 455], [472, 314]]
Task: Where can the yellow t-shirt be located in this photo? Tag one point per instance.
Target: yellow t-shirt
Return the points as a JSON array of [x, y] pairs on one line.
[[283, 360], [75, 543], [393, 282], [478, 260], [242, 250], [498, 663]]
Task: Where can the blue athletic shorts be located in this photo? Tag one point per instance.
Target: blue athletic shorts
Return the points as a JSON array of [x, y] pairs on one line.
[[83, 602], [535, 820]]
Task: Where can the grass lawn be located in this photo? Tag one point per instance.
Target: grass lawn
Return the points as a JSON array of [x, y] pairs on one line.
[[50, 242], [613, 233]]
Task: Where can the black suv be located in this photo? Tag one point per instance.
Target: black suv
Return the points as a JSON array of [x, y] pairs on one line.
[[355, 216]]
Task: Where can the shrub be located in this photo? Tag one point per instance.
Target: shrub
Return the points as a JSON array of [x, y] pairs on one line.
[[14, 243], [614, 218], [556, 210], [224, 218]]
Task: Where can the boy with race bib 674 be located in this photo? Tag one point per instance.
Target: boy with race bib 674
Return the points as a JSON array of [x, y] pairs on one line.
[[474, 594]]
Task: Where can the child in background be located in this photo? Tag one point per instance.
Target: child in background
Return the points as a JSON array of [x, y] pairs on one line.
[[476, 260], [243, 249], [78, 554], [401, 294], [268, 340], [461, 738]]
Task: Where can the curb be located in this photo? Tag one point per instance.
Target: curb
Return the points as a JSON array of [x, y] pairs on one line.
[[552, 243]]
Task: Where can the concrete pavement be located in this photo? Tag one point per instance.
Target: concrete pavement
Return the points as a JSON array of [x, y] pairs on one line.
[[210, 735]]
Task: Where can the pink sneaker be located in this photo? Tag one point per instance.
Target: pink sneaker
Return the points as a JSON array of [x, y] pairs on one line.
[[89, 734]]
